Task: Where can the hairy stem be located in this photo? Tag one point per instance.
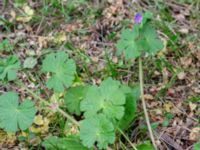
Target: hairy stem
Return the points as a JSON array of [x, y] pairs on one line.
[[132, 145], [144, 104], [65, 114]]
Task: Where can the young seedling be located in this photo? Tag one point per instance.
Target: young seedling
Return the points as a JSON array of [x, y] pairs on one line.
[[142, 39]]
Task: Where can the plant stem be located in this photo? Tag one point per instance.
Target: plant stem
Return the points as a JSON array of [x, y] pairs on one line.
[[65, 114], [144, 104], [48, 104], [132, 145]]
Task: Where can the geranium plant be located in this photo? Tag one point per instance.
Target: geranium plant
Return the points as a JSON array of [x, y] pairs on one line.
[[104, 110], [136, 43]]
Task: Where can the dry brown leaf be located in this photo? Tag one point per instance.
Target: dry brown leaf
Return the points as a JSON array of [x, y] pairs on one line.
[[184, 30], [180, 17], [38, 120], [186, 62], [27, 16], [148, 97], [192, 106], [198, 54], [195, 134], [168, 106]]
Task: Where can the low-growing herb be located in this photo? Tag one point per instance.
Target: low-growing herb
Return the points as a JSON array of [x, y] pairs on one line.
[[61, 69]]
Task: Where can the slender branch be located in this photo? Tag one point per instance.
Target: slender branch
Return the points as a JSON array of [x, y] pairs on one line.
[[65, 114], [144, 104], [132, 145]]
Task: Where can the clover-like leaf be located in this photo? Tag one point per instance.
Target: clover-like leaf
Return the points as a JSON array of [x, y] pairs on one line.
[[62, 70], [71, 142], [13, 115], [97, 129], [108, 99], [9, 67], [73, 97]]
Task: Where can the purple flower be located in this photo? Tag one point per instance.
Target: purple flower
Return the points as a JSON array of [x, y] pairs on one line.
[[138, 18]]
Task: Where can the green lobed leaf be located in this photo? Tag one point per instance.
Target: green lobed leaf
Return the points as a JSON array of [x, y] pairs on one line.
[[73, 97], [132, 95], [197, 146], [62, 70], [13, 115], [127, 44], [143, 38], [152, 43], [97, 129], [9, 67], [145, 146], [71, 142], [147, 16], [107, 99]]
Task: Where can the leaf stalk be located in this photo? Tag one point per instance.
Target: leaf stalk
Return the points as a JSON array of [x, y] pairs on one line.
[[65, 114], [144, 104]]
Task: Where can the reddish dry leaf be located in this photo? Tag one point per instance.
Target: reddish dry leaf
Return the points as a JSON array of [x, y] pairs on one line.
[[171, 92]]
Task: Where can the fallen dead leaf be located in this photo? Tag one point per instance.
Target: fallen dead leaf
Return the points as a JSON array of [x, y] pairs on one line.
[[186, 62], [148, 97], [27, 16], [198, 54], [195, 134], [192, 106], [184, 30], [168, 106], [38, 120], [42, 125]]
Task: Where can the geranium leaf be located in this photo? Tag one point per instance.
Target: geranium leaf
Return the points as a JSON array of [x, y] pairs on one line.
[[13, 115], [73, 98], [143, 38], [107, 99], [145, 146], [151, 40], [62, 70], [97, 129], [132, 95], [9, 67], [197, 146], [127, 44], [67, 143]]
